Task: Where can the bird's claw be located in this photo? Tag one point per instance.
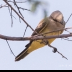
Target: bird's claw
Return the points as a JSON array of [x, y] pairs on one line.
[[55, 50]]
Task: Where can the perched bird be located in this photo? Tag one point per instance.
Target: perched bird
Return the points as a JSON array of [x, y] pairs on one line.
[[52, 23]]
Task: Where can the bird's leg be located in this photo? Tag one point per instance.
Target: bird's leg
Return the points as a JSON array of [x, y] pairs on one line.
[[54, 49], [44, 41]]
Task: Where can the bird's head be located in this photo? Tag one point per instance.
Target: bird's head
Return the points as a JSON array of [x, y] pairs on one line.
[[57, 16]]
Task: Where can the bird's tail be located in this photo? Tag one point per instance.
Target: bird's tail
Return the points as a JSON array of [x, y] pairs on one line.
[[23, 54]]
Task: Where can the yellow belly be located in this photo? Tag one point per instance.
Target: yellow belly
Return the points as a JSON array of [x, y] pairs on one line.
[[37, 44]]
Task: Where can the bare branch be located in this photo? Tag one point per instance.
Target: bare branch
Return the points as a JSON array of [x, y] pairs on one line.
[[67, 39], [1, 6], [55, 50], [11, 18], [24, 9], [10, 48], [69, 18], [18, 2], [45, 41], [10, 13], [18, 8], [25, 31], [18, 14], [36, 37]]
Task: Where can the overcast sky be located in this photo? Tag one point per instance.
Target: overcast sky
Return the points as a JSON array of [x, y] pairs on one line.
[[42, 58]]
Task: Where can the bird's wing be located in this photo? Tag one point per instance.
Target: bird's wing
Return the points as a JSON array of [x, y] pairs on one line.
[[41, 26]]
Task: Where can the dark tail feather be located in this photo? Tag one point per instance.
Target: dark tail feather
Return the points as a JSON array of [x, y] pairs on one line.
[[22, 55]]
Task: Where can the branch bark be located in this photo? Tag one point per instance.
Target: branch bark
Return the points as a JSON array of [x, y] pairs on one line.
[[36, 37]]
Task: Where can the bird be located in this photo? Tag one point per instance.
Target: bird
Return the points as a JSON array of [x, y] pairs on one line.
[[52, 23]]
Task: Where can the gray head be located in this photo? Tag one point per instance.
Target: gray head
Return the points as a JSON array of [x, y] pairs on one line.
[[57, 16]]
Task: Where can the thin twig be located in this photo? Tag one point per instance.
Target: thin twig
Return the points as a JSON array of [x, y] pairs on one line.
[[57, 51], [18, 14], [67, 39], [68, 31], [69, 18], [18, 2], [24, 9], [10, 48], [11, 18], [25, 31], [1, 6], [18, 8]]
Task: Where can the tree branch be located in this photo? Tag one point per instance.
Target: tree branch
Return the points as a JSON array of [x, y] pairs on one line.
[[55, 50], [17, 14], [36, 37]]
